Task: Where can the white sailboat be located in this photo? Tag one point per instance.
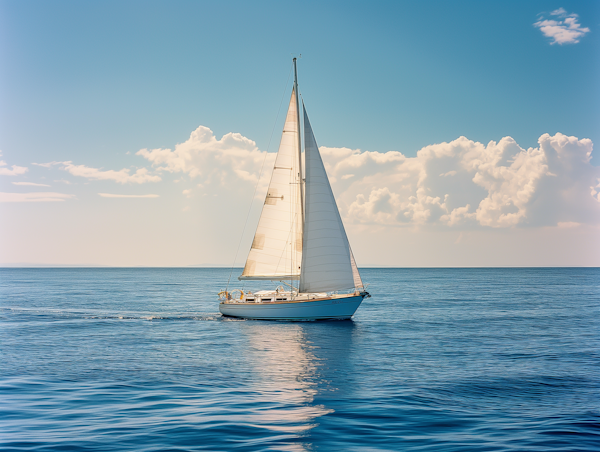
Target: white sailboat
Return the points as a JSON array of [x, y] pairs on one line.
[[300, 240]]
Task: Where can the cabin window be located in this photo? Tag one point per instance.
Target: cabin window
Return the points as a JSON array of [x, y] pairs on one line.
[[267, 299], [280, 299]]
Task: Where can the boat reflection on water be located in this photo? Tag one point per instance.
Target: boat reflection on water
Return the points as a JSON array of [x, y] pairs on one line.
[[293, 366]]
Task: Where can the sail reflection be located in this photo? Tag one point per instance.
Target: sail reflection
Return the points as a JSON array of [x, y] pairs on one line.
[[291, 362]]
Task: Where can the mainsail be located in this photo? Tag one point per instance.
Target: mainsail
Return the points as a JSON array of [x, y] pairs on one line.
[[327, 260], [276, 252]]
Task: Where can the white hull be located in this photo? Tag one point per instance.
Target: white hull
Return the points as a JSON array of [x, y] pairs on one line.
[[336, 307]]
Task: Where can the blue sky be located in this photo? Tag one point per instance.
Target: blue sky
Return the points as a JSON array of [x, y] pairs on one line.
[[95, 82]]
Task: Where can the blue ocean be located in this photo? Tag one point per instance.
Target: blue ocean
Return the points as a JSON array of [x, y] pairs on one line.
[[114, 359]]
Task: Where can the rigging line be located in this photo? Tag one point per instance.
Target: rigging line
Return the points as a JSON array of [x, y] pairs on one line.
[[259, 177]]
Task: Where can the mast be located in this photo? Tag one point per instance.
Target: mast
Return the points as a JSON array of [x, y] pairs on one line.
[[276, 251], [299, 150]]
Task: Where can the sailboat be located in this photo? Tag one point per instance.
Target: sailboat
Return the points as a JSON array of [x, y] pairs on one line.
[[300, 241]]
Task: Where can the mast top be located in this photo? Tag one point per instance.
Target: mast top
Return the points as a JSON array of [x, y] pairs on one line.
[[296, 80]]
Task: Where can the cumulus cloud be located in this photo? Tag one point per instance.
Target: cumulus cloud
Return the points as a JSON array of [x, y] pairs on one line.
[[459, 184], [561, 27], [13, 171], [470, 184], [462, 183], [112, 195], [34, 197], [232, 161], [32, 184]]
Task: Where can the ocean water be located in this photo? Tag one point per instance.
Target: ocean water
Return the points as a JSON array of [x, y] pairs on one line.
[[437, 360]]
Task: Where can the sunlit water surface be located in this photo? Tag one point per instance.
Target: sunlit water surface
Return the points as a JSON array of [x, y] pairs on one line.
[[436, 360]]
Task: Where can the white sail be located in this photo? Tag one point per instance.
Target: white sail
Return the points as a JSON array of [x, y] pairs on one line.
[[326, 256], [276, 252]]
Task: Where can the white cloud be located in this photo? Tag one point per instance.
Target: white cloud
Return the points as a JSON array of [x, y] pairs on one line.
[[563, 28], [122, 176], [34, 197], [234, 161], [47, 164], [458, 215], [449, 173], [111, 195], [32, 184], [15, 171], [468, 183], [460, 184]]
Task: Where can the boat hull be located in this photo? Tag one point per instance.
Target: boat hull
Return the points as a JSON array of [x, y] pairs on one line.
[[337, 308]]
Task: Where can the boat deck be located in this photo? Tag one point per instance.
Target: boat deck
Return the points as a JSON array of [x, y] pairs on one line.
[[274, 297]]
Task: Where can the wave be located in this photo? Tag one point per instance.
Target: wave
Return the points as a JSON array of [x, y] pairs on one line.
[[95, 315]]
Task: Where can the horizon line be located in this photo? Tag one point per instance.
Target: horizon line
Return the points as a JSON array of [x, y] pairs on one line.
[[29, 265]]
